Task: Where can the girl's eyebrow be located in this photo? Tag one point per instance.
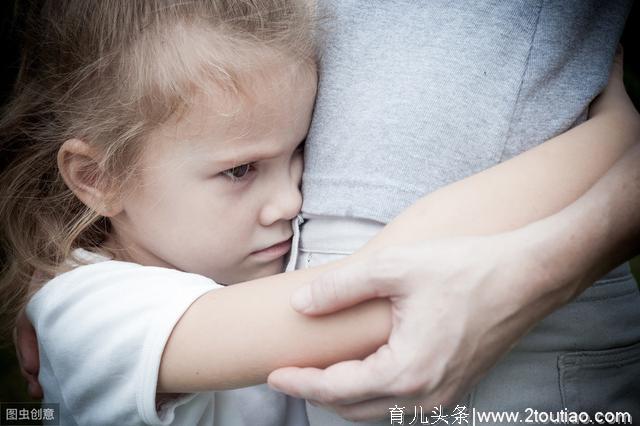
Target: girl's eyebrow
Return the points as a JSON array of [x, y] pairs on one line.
[[242, 156], [231, 158]]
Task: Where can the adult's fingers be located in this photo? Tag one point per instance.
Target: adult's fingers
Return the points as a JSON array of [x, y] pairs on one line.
[[347, 286], [381, 408], [346, 382]]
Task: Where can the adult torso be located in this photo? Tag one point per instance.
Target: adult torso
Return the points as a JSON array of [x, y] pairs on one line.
[[414, 95]]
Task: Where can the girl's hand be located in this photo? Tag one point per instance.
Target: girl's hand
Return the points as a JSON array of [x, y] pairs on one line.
[[26, 343]]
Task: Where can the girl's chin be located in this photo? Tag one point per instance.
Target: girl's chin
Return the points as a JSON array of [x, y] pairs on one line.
[[252, 273], [274, 267]]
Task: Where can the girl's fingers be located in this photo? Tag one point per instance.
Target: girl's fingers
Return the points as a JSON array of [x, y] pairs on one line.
[[34, 389], [618, 62], [26, 343], [619, 54]]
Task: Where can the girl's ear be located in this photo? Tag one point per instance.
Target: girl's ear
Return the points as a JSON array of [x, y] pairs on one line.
[[79, 166]]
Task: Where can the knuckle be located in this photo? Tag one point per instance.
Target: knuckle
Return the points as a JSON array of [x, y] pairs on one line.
[[408, 385], [334, 289], [386, 265], [331, 292], [324, 293], [326, 396]]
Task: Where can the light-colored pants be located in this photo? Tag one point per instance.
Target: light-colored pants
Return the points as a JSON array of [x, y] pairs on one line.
[[583, 357]]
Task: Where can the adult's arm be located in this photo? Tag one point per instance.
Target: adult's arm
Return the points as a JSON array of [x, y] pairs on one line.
[[247, 330], [485, 291], [462, 316]]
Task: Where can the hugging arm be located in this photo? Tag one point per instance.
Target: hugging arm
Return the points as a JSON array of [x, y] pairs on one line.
[[509, 279], [530, 186], [235, 336], [247, 330]]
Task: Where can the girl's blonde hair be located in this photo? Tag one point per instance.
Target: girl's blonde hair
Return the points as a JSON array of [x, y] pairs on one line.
[[107, 72]]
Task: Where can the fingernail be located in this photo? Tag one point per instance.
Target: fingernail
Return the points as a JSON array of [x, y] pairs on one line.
[[301, 299]]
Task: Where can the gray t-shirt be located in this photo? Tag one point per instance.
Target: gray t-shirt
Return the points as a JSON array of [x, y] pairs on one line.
[[414, 95]]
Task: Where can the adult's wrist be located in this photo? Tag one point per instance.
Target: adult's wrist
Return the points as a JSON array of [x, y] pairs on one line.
[[564, 254], [537, 280]]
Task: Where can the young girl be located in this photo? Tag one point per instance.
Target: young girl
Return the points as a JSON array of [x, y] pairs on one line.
[[157, 159], [157, 156]]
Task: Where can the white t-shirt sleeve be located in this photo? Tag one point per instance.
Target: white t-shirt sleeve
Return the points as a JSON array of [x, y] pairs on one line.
[[101, 331]]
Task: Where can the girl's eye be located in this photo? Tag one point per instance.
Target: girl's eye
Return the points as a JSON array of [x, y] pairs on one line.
[[239, 172]]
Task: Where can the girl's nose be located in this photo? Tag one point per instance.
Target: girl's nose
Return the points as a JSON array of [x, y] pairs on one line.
[[281, 204]]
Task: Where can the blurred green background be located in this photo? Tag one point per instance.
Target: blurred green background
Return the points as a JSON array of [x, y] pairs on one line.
[[12, 387]]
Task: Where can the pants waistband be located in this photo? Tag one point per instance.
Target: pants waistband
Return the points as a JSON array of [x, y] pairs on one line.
[[343, 235], [336, 234]]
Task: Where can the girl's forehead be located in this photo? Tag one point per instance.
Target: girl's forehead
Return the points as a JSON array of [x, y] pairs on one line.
[[260, 89], [219, 123], [248, 112]]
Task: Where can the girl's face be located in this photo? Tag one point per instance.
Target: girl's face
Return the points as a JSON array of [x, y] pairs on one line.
[[221, 183]]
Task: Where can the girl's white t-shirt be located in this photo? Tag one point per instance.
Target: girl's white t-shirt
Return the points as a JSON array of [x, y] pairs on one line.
[[101, 330]]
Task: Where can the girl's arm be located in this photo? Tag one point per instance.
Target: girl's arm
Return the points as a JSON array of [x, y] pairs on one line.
[[528, 187], [234, 337]]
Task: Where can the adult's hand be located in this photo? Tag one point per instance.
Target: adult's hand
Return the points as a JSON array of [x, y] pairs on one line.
[[26, 343], [458, 305]]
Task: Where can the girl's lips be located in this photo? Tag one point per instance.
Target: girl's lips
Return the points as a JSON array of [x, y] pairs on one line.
[[275, 251]]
